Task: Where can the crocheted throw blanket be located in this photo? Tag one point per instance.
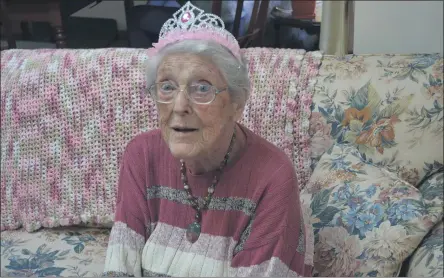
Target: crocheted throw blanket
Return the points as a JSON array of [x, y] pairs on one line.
[[67, 115]]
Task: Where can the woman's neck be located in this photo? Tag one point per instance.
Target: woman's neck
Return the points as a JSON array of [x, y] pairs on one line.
[[212, 161]]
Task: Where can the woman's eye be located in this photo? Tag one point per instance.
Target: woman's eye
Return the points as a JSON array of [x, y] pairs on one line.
[[203, 88], [166, 87]]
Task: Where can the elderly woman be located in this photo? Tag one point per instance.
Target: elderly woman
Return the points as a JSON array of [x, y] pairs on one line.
[[204, 196]]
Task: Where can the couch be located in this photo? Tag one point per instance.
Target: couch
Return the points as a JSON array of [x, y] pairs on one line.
[[365, 134]]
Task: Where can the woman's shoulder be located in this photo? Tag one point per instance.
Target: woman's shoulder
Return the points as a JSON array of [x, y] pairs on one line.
[[260, 147], [268, 170], [267, 160], [145, 142]]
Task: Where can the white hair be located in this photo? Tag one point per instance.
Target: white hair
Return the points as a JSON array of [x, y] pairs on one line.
[[234, 71]]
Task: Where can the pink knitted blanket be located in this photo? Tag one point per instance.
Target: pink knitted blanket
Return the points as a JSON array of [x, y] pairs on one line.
[[66, 116]]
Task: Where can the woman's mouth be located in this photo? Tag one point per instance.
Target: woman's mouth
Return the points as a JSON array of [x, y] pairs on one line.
[[184, 129]]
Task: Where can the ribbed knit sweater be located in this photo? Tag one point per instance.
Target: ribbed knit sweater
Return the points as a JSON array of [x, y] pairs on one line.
[[252, 227]]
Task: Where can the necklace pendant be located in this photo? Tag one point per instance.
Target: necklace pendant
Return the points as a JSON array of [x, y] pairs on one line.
[[193, 232]]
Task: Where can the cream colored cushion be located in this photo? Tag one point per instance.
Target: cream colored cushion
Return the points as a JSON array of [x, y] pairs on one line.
[[366, 220]]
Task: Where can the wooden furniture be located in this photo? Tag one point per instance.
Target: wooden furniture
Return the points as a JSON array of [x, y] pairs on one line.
[[17, 11], [282, 18]]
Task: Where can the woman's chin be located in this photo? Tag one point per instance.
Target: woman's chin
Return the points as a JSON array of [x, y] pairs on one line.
[[182, 150]]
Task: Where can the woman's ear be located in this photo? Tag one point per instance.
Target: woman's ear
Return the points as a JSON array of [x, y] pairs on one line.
[[238, 111]]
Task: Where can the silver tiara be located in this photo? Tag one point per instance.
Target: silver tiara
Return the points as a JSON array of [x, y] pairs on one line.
[[190, 17], [190, 22]]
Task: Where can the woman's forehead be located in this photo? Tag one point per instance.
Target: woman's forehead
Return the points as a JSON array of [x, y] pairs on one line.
[[186, 62]]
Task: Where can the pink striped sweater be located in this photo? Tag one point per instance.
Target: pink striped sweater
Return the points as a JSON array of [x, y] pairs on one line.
[[253, 226]]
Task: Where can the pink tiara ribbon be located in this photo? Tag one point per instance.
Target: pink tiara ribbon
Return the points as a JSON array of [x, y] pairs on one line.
[[191, 23]]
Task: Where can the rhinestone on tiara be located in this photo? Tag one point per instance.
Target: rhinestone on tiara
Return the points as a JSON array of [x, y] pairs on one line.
[[190, 22]]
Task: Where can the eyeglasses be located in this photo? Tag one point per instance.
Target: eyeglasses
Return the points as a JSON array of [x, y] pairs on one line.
[[166, 92]]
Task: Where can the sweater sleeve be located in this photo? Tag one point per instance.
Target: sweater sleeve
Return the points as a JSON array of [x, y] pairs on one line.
[[131, 223], [274, 243]]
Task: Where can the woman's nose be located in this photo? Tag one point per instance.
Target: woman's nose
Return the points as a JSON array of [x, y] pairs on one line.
[[181, 102]]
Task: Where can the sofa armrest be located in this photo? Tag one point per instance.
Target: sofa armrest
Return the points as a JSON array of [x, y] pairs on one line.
[[427, 261]]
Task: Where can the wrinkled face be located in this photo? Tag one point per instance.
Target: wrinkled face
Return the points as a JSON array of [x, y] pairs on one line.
[[195, 130]]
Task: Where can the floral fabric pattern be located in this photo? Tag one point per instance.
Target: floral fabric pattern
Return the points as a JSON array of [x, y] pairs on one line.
[[428, 260], [366, 220], [390, 107], [65, 252]]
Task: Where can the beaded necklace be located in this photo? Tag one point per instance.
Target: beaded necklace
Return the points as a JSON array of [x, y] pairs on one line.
[[194, 229]]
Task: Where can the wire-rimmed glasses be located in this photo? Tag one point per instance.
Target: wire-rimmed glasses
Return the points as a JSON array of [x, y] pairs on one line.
[[166, 92]]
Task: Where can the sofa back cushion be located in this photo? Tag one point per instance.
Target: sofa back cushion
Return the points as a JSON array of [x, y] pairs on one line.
[[390, 107], [67, 115]]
